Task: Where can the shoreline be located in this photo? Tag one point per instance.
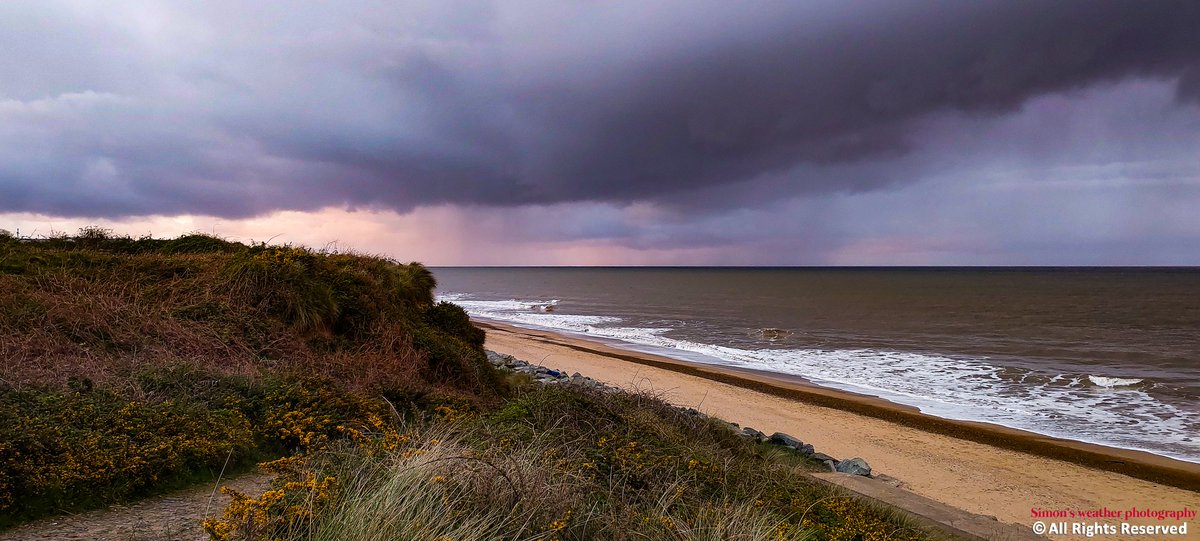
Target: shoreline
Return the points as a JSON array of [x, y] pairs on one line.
[[980, 468], [1133, 463]]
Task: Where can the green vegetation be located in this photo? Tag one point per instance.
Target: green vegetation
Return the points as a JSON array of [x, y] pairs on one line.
[[132, 366], [565, 463]]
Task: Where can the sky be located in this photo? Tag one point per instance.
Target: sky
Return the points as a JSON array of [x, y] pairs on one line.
[[695, 132]]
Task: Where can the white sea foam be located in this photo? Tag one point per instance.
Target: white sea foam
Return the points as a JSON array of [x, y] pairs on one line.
[[1111, 411], [1113, 382], [528, 312], [509, 305]]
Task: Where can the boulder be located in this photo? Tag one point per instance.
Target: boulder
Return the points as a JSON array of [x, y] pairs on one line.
[[823, 457], [499, 359], [855, 466], [779, 438]]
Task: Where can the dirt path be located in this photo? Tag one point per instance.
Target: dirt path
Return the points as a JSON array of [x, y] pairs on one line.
[[172, 517]]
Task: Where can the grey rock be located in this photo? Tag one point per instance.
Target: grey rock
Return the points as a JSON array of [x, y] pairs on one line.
[[807, 450], [832, 466], [779, 438], [823, 457], [856, 466]]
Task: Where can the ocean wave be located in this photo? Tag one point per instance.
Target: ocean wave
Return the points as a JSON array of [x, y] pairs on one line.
[[1112, 411], [1103, 381], [508, 305], [537, 312]]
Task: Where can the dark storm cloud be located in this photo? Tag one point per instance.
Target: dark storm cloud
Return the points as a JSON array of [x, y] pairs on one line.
[[234, 110]]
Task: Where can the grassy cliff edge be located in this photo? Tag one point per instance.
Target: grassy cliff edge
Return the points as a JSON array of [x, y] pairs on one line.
[[133, 366]]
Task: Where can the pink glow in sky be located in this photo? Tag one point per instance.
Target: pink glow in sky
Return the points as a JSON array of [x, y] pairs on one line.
[[675, 132]]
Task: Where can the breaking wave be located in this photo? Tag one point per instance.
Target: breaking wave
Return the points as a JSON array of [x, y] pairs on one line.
[[1112, 411], [1102, 381]]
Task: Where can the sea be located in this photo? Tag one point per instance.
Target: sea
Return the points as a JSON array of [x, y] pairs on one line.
[[1101, 355]]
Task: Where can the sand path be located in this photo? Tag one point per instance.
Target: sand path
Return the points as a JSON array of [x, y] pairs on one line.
[[171, 517]]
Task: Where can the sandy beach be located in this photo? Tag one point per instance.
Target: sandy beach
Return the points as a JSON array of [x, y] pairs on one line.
[[980, 468]]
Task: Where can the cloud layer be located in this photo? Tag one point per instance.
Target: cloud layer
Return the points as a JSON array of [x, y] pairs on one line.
[[235, 110]]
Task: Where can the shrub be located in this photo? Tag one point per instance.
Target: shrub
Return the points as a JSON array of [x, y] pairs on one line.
[[284, 281], [198, 243], [453, 320], [71, 450]]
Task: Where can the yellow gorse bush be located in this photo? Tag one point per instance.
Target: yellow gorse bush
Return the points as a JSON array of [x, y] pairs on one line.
[[855, 523], [303, 420], [275, 510], [59, 449]]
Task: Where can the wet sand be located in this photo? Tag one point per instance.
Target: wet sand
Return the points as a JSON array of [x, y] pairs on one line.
[[978, 467]]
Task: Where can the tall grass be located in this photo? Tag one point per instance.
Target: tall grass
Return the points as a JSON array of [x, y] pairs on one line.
[[449, 490], [563, 464]]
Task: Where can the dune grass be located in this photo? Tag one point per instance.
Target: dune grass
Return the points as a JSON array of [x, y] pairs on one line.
[[554, 463]]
